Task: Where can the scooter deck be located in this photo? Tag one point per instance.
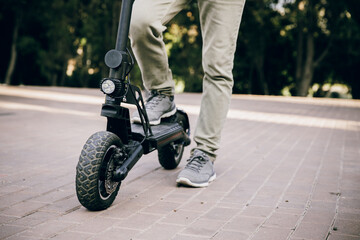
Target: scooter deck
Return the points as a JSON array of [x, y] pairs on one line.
[[162, 135]]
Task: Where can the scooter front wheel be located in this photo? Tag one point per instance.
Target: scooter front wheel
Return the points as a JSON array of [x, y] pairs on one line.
[[95, 188]]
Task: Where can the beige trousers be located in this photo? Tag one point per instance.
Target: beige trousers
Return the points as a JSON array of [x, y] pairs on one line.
[[220, 21]]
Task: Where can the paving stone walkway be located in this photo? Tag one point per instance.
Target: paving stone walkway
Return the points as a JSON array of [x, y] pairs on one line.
[[288, 168]]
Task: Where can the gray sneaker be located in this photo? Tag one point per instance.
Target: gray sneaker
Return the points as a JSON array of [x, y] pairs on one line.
[[157, 106], [198, 172]]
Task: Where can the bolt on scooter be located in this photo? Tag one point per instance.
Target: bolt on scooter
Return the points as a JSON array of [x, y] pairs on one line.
[[108, 156]]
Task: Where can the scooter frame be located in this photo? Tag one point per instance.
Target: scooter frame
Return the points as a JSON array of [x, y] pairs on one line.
[[115, 162]]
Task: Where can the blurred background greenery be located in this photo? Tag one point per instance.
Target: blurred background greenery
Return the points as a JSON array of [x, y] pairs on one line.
[[285, 47]]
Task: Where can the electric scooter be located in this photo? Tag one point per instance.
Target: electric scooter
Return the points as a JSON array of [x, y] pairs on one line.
[[108, 156]]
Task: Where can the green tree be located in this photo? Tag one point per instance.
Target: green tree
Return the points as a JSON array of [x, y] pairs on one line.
[[281, 44], [96, 34], [342, 63], [41, 41], [317, 26], [14, 15]]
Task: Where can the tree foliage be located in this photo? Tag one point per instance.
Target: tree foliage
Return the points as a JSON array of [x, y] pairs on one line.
[[284, 46]]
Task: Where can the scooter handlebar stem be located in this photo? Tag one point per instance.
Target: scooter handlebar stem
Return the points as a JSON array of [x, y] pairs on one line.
[[124, 25]]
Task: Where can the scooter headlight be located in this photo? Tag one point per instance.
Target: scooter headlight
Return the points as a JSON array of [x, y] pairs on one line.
[[113, 87], [108, 86]]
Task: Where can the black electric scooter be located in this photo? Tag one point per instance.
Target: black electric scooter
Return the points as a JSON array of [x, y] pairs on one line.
[[108, 156]]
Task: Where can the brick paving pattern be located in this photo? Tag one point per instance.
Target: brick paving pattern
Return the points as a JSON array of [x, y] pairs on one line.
[[288, 168]]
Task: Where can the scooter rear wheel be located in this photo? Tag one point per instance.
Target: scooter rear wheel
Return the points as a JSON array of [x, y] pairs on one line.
[[95, 188], [170, 155]]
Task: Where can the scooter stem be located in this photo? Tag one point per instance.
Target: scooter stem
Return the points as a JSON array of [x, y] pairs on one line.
[[115, 57], [123, 29]]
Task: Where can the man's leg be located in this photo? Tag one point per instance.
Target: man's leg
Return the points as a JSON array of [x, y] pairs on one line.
[[220, 21], [146, 34]]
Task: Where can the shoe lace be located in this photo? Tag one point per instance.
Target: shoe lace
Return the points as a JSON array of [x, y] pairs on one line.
[[154, 99], [195, 163]]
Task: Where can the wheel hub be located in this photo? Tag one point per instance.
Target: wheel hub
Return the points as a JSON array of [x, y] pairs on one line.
[[112, 159], [110, 185]]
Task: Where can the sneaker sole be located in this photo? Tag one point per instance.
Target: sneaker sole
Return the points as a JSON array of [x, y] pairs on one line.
[[158, 121], [188, 182]]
